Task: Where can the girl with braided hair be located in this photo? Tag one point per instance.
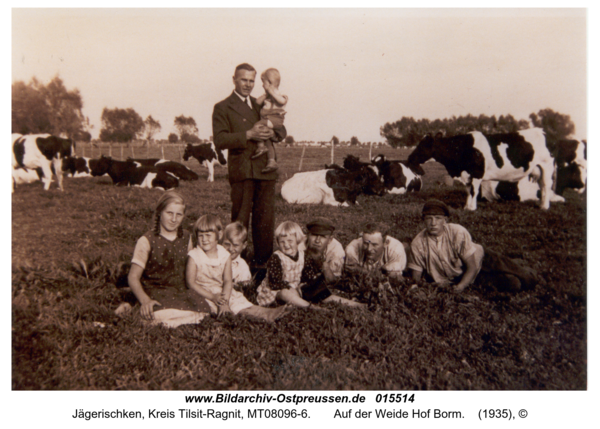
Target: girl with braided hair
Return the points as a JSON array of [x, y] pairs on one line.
[[157, 273]]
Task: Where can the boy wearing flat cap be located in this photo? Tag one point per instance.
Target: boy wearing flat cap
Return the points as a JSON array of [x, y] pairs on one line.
[[324, 261], [447, 254], [320, 244]]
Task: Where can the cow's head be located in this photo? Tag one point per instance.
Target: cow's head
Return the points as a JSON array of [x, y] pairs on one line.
[[101, 166], [422, 153]]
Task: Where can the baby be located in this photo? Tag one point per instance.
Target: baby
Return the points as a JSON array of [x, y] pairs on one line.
[[272, 115]]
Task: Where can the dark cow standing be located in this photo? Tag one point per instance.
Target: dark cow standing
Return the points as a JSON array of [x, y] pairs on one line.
[[397, 177], [178, 170], [207, 155], [333, 186], [41, 150], [127, 173], [474, 157]]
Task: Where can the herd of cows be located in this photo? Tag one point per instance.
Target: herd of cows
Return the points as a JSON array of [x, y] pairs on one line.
[[37, 156], [524, 165]]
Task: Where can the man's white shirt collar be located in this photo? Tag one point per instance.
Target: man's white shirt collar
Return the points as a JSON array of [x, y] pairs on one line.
[[249, 103]]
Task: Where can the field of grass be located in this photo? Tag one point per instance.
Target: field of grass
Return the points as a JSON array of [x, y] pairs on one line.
[[67, 250]]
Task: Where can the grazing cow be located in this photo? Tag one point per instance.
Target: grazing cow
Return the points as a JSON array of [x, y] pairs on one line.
[[127, 173], [22, 176], [397, 177], [525, 189], [207, 155], [570, 158], [333, 186], [41, 150], [475, 157]]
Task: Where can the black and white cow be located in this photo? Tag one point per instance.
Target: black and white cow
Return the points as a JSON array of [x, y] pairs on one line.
[[333, 186], [474, 157], [207, 155], [175, 168], [127, 173], [41, 150], [397, 177], [22, 176], [570, 158], [570, 172]]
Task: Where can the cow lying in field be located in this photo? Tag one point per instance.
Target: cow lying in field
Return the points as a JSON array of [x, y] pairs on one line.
[[335, 186], [207, 155], [475, 157], [43, 151], [397, 177], [175, 168], [127, 173]]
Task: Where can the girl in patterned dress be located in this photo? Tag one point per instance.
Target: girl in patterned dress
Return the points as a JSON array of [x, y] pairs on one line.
[[208, 273], [157, 273], [284, 268]]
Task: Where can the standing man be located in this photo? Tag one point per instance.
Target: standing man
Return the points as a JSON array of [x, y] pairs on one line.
[[235, 128]]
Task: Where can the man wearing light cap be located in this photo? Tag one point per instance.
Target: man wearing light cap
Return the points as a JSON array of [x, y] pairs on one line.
[[447, 254], [376, 250]]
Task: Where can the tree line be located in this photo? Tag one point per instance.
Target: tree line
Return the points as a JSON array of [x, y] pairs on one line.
[[52, 108], [408, 131]]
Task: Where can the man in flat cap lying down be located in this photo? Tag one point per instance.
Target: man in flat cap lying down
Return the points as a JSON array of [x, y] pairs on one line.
[[447, 255], [324, 261]]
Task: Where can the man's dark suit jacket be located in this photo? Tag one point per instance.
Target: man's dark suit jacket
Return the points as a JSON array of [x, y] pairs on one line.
[[231, 119]]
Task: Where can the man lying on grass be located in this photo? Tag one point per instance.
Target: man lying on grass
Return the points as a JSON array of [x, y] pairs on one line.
[[374, 251], [447, 255]]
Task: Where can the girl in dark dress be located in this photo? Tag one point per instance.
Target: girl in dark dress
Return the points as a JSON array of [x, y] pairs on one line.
[[157, 274]]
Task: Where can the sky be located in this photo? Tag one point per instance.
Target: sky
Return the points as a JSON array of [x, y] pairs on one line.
[[346, 72]]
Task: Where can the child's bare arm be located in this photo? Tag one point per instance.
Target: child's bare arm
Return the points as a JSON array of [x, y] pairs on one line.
[[227, 280], [135, 283], [261, 100], [190, 280], [275, 94]]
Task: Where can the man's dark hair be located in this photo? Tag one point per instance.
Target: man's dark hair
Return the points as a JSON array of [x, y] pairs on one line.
[[244, 66], [373, 227]]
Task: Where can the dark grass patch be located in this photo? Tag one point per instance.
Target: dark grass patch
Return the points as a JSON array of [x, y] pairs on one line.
[[68, 250]]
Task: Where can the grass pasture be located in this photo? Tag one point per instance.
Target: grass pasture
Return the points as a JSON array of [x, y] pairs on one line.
[[67, 249]]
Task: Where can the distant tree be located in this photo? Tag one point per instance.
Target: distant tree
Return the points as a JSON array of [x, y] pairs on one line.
[[173, 138], [289, 140], [151, 127], [354, 141], [85, 137], [335, 141], [51, 108], [190, 138], [555, 125], [120, 125], [186, 126]]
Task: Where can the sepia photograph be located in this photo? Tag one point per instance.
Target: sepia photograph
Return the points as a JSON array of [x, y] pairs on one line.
[[301, 199]]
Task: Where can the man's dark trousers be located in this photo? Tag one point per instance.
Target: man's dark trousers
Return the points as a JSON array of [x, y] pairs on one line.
[[256, 197]]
